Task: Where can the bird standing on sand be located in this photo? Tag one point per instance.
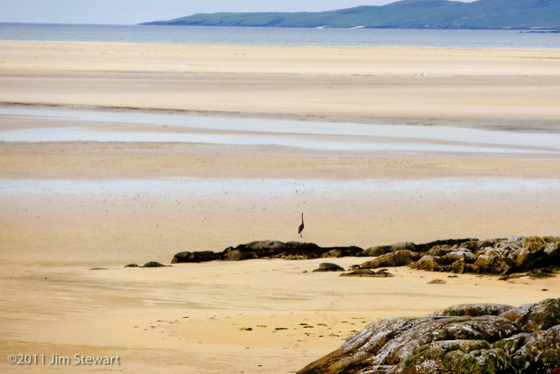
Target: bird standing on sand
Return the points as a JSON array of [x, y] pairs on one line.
[[301, 227]]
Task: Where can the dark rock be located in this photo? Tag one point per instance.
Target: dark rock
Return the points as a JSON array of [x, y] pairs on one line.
[[202, 256], [237, 255], [268, 249], [132, 266], [437, 281], [154, 264], [368, 273], [266, 245], [333, 253], [542, 273], [539, 257], [464, 339], [328, 266]]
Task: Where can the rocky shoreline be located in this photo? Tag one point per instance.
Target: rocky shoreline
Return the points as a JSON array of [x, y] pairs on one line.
[[509, 258], [463, 339]]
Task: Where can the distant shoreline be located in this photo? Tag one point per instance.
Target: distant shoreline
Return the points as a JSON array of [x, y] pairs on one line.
[[407, 14], [360, 27]]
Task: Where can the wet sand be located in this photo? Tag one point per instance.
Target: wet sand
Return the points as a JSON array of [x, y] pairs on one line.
[[69, 206], [493, 88]]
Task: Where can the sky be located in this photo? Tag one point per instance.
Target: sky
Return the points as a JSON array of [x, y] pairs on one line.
[[131, 12]]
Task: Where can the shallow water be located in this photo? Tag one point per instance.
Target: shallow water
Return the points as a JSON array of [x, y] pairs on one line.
[[203, 186], [263, 130], [76, 134], [276, 36]]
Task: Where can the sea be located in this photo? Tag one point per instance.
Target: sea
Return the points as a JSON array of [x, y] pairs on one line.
[[279, 36]]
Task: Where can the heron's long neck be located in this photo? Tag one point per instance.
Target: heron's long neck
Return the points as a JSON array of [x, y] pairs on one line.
[[301, 217]]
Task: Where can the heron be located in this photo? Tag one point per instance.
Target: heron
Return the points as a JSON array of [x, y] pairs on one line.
[[301, 227]]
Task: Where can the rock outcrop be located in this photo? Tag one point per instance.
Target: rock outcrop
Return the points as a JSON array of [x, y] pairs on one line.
[[328, 266], [368, 273], [267, 250], [538, 255], [533, 256], [151, 264], [463, 339]]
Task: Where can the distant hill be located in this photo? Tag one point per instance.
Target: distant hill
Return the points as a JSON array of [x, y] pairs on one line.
[[412, 14]]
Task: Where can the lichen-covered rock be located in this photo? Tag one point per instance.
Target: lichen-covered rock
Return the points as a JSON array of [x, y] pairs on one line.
[[461, 357], [386, 260], [461, 267], [429, 262], [493, 261], [440, 250], [383, 249], [463, 339], [540, 353], [473, 310], [470, 244], [401, 257], [466, 256], [539, 257], [535, 317], [328, 266]]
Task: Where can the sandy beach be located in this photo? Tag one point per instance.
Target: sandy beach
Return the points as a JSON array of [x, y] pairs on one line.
[[112, 154]]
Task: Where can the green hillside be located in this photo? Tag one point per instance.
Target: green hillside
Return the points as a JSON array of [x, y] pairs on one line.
[[444, 14]]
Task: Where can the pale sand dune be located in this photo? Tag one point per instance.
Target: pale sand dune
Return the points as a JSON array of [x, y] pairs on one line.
[[66, 207]]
